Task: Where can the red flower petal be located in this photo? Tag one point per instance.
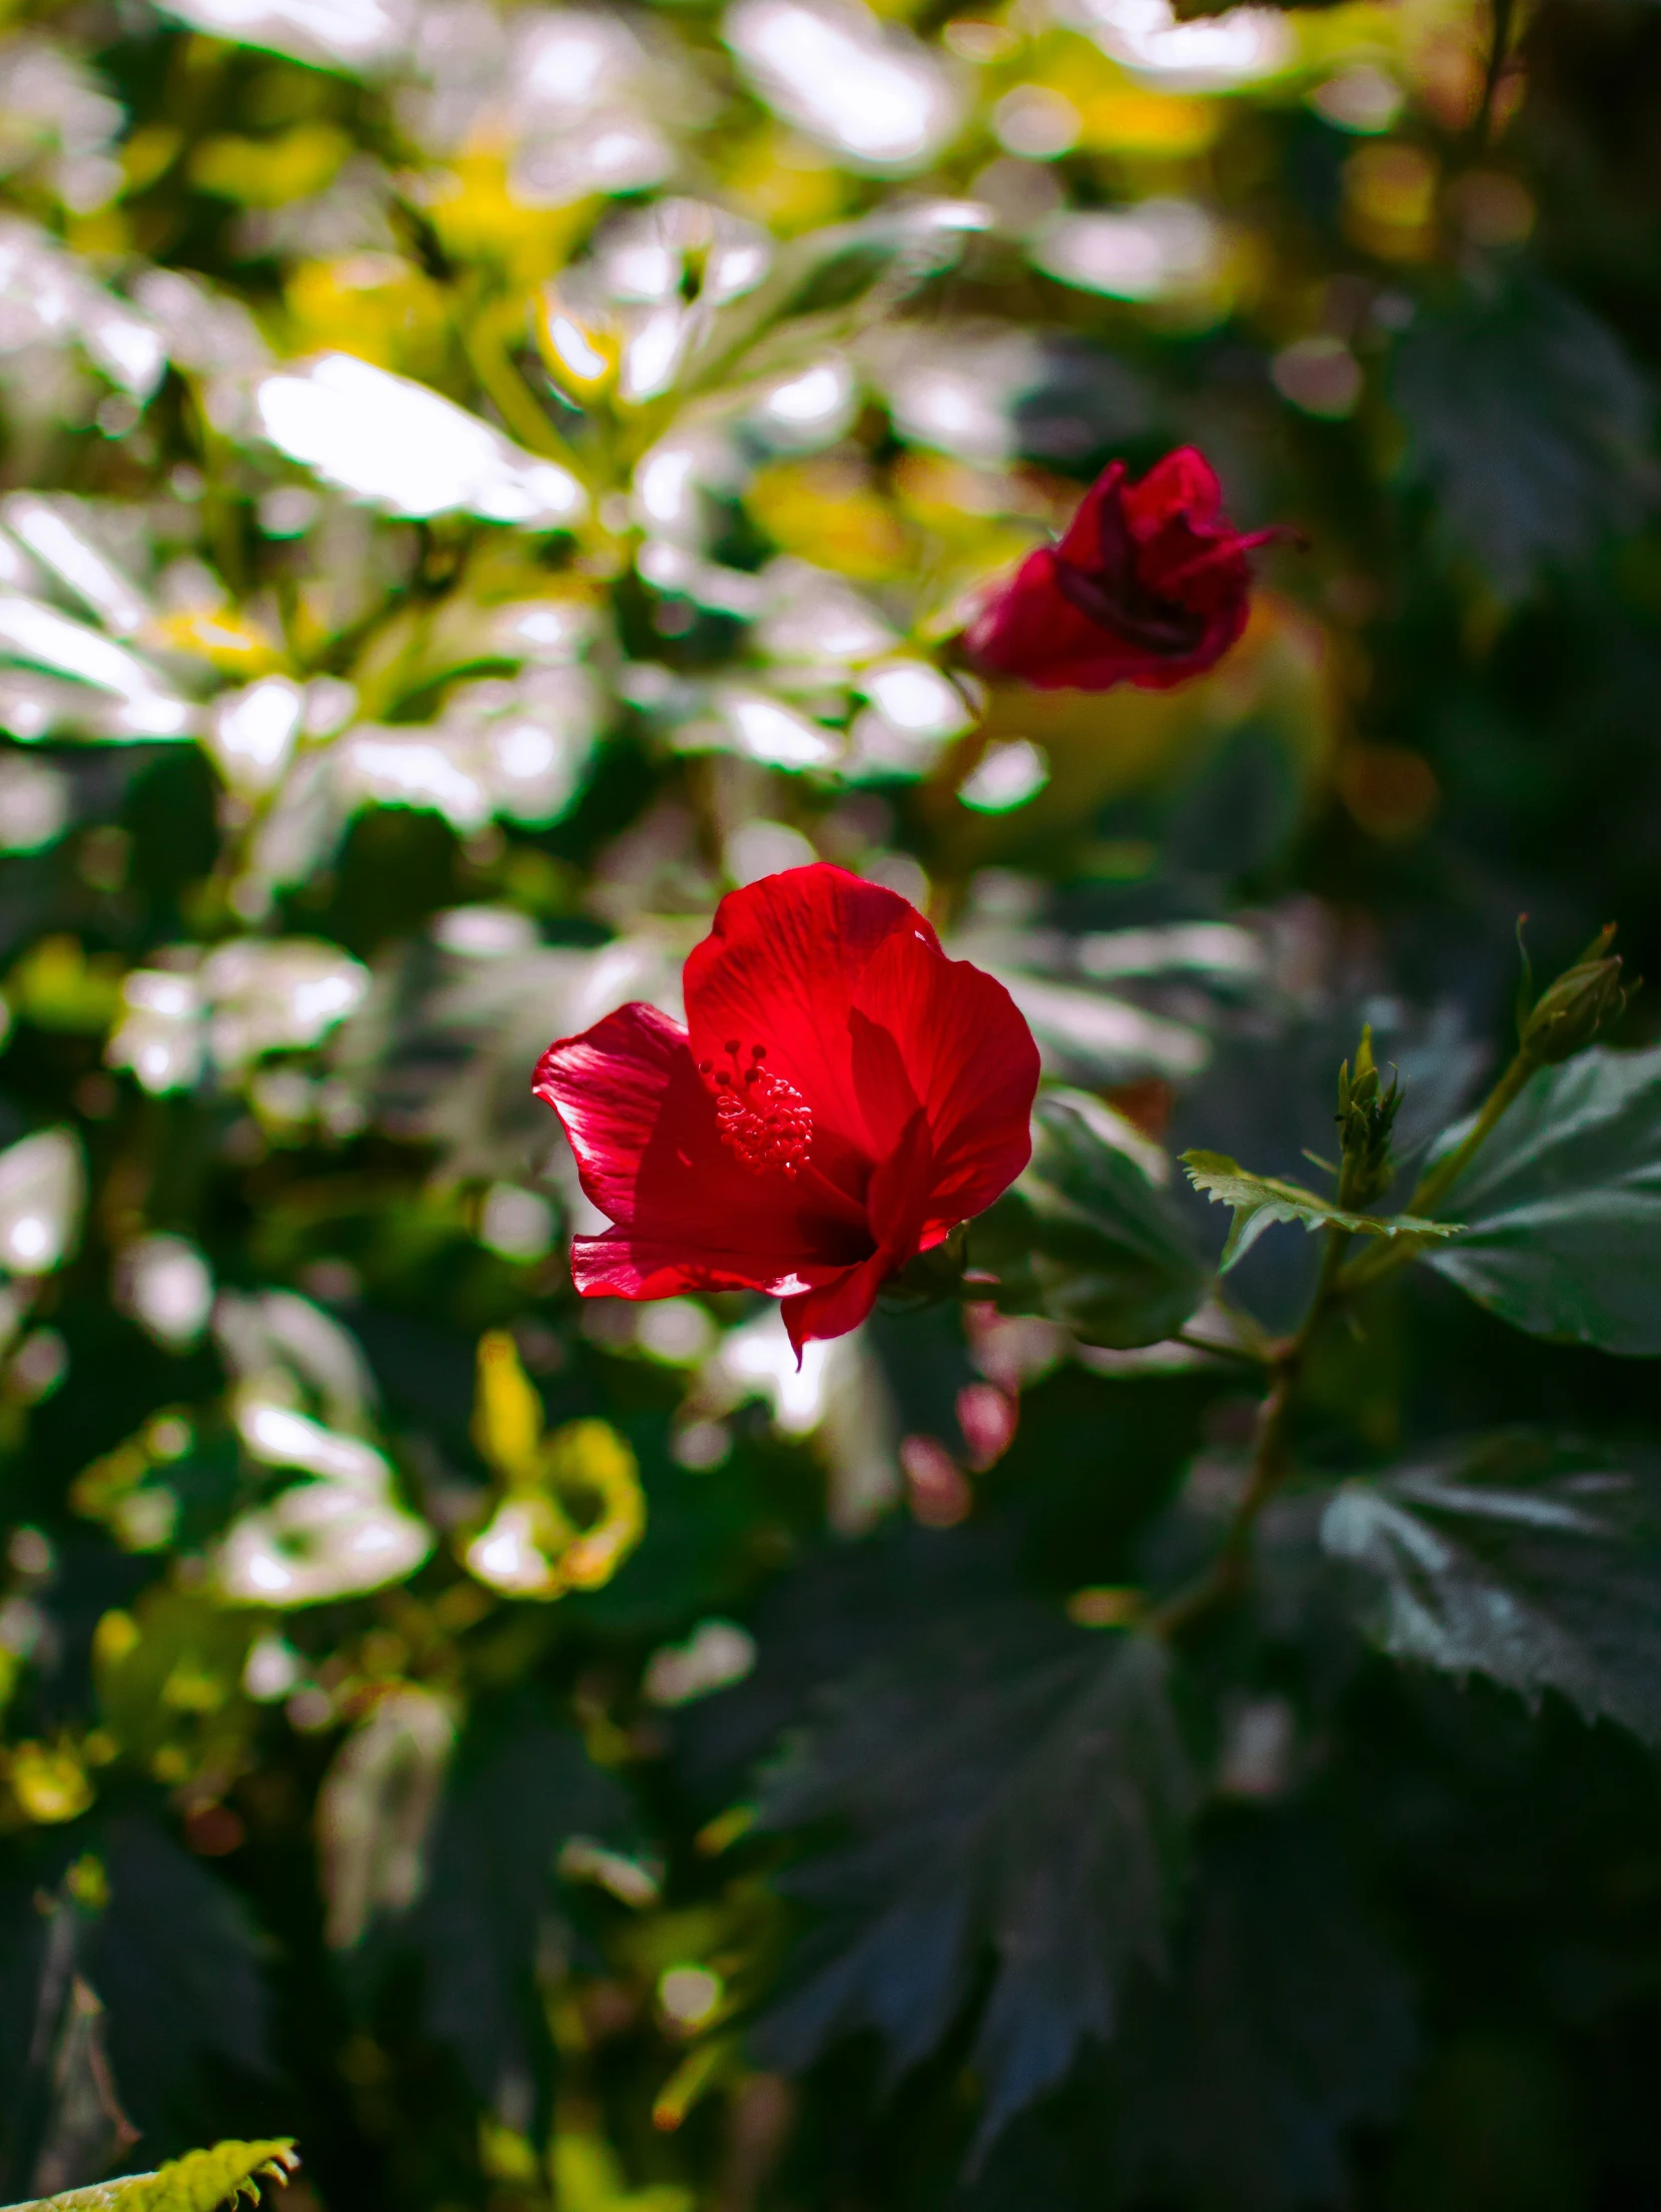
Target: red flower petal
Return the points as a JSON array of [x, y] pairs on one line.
[[780, 969], [1149, 585], [835, 1307], [1029, 630], [969, 1057], [847, 1095], [688, 1214], [1182, 489]]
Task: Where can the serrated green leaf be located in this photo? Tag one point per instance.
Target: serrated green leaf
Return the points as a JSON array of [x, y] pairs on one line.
[[1084, 1236], [1562, 1206], [1262, 1200], [1008, 1787], [201, 2182], [1529, 1562]]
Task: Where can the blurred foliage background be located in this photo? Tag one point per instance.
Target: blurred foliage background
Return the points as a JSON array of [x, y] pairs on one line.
[[478, 482]]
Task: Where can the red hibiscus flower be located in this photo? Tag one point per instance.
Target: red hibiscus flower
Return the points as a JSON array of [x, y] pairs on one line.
[[842, 1097], [1149, 586]]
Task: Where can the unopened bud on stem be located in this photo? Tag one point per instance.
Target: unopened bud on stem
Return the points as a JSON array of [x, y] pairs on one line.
[[1365, 1117], [1584, 1000]]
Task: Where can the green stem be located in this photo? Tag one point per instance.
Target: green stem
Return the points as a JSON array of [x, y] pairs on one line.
[[1221, 1350], [492, 363], [1224, 1578]]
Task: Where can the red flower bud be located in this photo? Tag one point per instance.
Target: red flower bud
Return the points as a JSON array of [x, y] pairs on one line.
[[1149, 585], [843, 1095]]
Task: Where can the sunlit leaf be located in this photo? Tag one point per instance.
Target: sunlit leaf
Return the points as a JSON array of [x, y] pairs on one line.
[[201, 2182]]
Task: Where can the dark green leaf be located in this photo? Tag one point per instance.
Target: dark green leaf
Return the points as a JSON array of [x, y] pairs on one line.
[[1085, 1237], [519, 1787], [176, 1961], [1282, 2023], [1530, 424], [1011, 1788], [1527, 1561], [1562, 1206], [1262, 1200]]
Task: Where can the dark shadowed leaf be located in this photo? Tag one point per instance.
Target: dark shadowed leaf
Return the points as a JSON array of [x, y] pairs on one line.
[[1528, 1562], [1530, 425], [1085, 1237], [1012, 1794], [1282, 2023], [519, 1787], [176, 1961], [1562, 1206]]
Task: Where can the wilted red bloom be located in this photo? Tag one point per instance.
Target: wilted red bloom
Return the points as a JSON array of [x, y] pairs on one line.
[[842, 1097], [1149, 585]]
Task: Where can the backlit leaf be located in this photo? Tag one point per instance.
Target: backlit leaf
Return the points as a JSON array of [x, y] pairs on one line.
[[198, 2182]]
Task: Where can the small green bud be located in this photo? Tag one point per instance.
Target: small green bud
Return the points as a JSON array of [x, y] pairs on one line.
[[1584, 1000], [1365, 1118]]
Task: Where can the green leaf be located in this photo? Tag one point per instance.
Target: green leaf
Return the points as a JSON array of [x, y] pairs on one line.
[[176, 1959], [1262, 1200], [1085, 1237], [1530, 424], [201, 2182], [827, 286], [1562, 1206], [1009, 1787], [519, 1787], [1282, 2023], [1529, 1562]]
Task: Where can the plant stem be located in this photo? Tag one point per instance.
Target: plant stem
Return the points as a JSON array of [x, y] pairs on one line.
[[1271, 1459], [1221, 1350]]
